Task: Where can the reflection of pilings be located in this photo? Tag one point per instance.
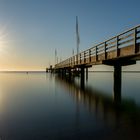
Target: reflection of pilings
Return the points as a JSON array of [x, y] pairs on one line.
[[64, 73], [82, 77], [96, 103], [89, 97], [69, 74], [100, 104], [117, 83], [86, 74]]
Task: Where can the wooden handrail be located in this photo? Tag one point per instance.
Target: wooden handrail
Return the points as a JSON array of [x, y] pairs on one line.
[[104, 47]]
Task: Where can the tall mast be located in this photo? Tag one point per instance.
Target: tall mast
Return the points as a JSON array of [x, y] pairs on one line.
[[77, 35], [55, 56]]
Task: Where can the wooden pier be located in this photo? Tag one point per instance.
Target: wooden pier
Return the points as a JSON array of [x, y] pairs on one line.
[[120, 50]]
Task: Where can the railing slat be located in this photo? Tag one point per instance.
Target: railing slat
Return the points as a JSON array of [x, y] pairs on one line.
[[125, 37], [125, 42]]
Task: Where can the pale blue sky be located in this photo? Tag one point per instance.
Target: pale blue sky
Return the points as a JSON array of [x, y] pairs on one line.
[[30, 30]]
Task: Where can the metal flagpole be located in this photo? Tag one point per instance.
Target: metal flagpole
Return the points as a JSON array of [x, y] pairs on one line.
[[77, 37], [72, 52], [55, 56]]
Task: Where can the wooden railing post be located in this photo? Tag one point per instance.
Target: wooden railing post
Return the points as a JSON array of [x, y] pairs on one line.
[[105, 51], [77, 59], [84, 57], [135, 41], [69, 62], [73, 60], [80, 58], [89, 55], [117, 46], [96, 51]]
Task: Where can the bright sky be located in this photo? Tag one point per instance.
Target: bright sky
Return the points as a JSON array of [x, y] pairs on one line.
[[30, 30]]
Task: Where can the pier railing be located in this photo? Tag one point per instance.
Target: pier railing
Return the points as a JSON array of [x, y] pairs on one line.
[[123, 45]]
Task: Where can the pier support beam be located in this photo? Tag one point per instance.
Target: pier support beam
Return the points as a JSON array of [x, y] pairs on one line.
[[118, 75], [117, 82]]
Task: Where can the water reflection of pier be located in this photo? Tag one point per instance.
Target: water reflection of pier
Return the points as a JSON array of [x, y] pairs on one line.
[[118, 51], [123, 117]]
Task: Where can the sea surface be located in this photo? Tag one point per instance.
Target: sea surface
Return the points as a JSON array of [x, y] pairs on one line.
[[43, 106]]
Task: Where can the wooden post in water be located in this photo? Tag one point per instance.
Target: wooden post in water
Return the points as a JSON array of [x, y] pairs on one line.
[[117, 83], [118, 75]]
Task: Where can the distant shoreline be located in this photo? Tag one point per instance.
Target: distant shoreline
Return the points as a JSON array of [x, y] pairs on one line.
[[22, 71], [45, 71], [122, 71]]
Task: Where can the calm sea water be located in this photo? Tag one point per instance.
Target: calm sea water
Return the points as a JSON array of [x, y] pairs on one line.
[[40, 106]]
